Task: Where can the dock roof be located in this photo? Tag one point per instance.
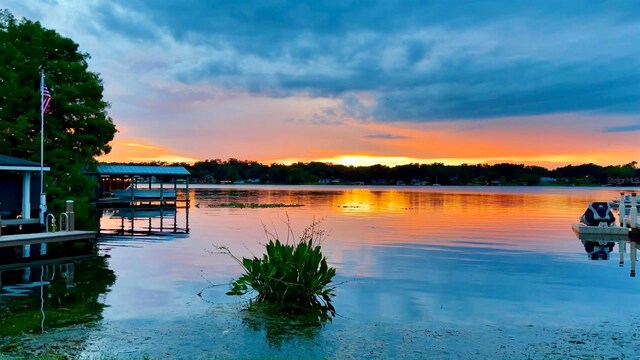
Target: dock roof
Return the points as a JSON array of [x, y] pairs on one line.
[[17, 164], [141, 170]]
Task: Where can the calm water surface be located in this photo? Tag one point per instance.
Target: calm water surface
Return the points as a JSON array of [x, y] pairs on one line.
[[472, 272]]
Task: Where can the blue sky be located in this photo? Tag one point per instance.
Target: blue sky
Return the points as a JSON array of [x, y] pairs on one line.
[[322, 79]]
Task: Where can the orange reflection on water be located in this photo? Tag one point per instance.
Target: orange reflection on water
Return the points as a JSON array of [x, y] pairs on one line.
[[513, 218], [450, 217]]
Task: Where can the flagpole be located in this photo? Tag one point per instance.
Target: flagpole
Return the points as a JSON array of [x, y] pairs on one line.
[[43, 199], [41, 131]]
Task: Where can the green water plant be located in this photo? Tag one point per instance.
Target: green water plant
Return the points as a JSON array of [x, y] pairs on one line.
[[293, 275], [253, 205]]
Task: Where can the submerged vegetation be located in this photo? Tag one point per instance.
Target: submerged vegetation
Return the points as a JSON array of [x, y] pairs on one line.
[[291, 277], [252, 205], [280, 325]]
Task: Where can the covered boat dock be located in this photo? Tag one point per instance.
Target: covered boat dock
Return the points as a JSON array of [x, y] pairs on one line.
[[143, 200], [138, 184]]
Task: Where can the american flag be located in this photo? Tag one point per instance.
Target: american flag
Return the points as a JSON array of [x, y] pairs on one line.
[[46, 99]]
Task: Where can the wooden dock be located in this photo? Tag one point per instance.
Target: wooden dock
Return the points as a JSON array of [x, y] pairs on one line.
[[603, 231], [45, 237]]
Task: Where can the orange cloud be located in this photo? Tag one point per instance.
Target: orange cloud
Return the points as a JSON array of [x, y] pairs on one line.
[[132, 150]]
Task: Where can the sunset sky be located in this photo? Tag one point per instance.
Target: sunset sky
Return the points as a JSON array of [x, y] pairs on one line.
[[362, 82]]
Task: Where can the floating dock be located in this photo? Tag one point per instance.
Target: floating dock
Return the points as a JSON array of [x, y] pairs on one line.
[[604, 231]]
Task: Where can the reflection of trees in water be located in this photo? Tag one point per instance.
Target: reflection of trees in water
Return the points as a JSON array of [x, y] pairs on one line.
[[68, 292], [282, 323]]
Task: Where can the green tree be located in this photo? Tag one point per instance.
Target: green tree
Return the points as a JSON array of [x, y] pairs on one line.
[[77, 128]]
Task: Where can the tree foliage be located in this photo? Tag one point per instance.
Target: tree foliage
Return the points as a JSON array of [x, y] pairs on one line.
[[465, 174], [77, 128]]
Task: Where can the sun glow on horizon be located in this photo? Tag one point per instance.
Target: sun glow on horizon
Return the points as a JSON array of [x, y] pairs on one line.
[[550, 161]]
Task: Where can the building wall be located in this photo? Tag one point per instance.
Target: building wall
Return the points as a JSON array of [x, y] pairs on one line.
[[11, 193]]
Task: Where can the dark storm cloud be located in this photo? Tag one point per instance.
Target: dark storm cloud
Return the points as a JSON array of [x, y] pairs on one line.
[[623, 128], [417, 60], [118, 20]]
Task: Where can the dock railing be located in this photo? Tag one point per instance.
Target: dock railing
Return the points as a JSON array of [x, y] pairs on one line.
[[66, 220], [50, 220]]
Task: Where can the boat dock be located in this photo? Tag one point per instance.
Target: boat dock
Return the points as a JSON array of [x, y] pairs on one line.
[[137, 185], [66, 233], [45, 237], [606, 235], [628, 214], [142, 200]]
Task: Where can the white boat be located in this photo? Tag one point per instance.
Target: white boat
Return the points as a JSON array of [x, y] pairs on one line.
[[599, 221], [145, 194]]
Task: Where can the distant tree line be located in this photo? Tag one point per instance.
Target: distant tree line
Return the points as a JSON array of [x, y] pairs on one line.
[[237, 171]]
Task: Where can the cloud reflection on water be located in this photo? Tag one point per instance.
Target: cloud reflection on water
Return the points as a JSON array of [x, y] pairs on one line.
[[417, 247]]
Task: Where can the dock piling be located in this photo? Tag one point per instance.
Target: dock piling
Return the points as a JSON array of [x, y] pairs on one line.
[[622, 211], [70, 216], [634, 257], [633, 212], [26, 251], [622, 248]]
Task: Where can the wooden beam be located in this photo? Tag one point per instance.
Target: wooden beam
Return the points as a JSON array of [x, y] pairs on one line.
[[47, 237]]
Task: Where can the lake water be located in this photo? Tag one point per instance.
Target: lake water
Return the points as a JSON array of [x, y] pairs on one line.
[[422, 272]]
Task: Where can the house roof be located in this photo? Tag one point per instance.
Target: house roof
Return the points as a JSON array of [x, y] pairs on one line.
[[132, 170], [17, 164]]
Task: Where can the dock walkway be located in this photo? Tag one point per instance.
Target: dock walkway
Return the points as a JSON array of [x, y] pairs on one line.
[[45, 237]]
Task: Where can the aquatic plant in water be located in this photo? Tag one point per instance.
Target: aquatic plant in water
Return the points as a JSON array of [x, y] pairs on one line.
[[293, 277], [253, 205]]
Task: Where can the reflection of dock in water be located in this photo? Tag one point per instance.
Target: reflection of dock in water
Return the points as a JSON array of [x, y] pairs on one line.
[[599, 247], [143, 213], [599, 232], [139, 203], [144, 221], [66, 288]]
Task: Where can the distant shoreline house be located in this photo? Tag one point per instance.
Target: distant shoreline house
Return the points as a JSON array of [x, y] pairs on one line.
[[20, 189], [546, 180]]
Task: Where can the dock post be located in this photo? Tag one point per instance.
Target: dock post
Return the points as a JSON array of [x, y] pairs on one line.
[[43, 208], [622, 248], [26, 274], [26, 195], [622, 211], [634, 258], [70, 216], [633, 212]]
